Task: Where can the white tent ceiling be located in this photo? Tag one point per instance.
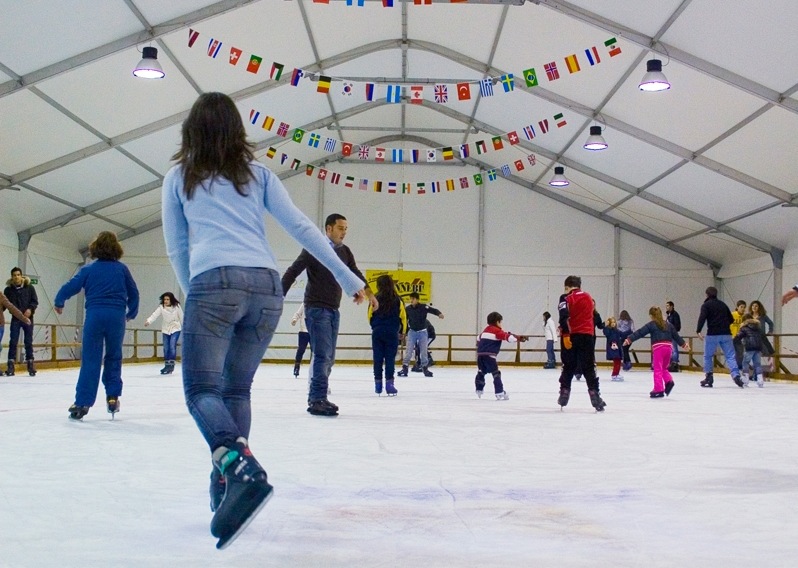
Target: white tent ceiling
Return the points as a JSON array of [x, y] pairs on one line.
[[707, 168]]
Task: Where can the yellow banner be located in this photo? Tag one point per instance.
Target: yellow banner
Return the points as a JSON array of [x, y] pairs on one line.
[[407, 281]]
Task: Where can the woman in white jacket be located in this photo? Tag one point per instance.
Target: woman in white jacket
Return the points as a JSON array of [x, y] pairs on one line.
[[171, 315], [550, 330]]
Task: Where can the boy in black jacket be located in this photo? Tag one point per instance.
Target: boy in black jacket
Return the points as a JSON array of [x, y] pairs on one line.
[[751, 336], [417, 333]]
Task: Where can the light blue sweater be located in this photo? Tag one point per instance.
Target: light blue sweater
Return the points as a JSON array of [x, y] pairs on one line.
[[219, 227]]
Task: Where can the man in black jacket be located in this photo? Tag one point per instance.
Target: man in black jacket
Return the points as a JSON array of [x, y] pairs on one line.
[[673, 318], [718, 318], [22, 294], [322, 300]]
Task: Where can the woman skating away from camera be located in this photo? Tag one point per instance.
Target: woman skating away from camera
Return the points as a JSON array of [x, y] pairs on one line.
[[214, 201]]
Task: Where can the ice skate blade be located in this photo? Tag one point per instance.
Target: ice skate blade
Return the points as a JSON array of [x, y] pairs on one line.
[[224, 542], [391, 394]]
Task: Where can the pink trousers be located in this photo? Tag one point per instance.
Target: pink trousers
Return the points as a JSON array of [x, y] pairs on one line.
[[660, 359]]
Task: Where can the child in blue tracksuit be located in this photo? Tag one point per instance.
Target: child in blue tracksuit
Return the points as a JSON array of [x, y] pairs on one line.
[[615, 339], [388, 323], [112, 298], [489, 343]]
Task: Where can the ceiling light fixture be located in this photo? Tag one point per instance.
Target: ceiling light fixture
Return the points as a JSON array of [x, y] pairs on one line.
[[654, 80], [559, 179], [148, 67], [595, 141]]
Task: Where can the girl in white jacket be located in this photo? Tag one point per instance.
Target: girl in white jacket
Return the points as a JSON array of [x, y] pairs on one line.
[[550, 330], [171, 315]]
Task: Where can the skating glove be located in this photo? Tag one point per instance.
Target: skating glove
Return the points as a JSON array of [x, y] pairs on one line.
[[566, 341]]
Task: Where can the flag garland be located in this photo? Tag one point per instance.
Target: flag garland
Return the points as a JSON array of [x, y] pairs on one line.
[[583, 58]]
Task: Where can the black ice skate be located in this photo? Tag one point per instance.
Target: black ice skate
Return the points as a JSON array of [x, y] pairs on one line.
[[78, 412], [708, 381], [378, 386], [596, 401], [113, 404], [165, 368], [657, 394], [296, 370], [738, 381], [427, 372], [415, 368], [403, 372], [565, 394], [217, 489], [10, 368], [170, 367], [31, 368], [247, 490], [669, 387], [322, 408], [390, 389]]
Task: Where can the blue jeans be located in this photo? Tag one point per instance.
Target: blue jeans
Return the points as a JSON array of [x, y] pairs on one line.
[[13, 339], [104, 327], [230, 317], [753, 358], [674, 352], [550, 351], [170, 345], [322, 324], [711, 343], [384, 345], [420, 338]]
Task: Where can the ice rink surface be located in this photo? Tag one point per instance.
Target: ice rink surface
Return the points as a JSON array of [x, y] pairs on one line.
[[434, 477]]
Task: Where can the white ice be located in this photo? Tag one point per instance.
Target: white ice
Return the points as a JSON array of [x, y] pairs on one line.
[[434, 477]]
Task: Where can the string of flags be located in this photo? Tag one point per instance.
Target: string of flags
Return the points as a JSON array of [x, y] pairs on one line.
[[417, 187], [400, 155], [441, 93]]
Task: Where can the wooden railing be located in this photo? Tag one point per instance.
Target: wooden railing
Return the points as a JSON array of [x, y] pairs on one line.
[[59, 346]]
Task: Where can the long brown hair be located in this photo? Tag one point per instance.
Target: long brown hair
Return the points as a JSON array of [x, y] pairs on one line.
[[656, 317], [214, 143], [386, 292]]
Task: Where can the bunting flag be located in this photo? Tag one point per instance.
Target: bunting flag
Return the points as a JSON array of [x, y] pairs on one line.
[[486, 87], [529, 132], [309, 170], [391, 187], [363, 153], [449, 185], [296, 75], [614, 49], [432, 155], [506, 170], [324, 84], [560, 120], [513, 138], [235, 53], [414, 156], [214, 45], [463, 151], [369, 91], [420, 2], [551, 71], [394, 93], [530, 77], [277, 71], [420, 188], [463, 91], [298, 135], [379, 154], [497, 143], [322, 174], [254, 64], [544, 125], [282, 130], [519, 165], [477, 179], [335, 178], [283, 158], [531, 159], [405, 187], [346, 149], [347, 89], [364, 184], [592, 56], [441, 94], [508, 82], [435, 186], [295, 164], [271, 152], [447, 153], [463, 183], [268, 122], [350, 182], [481, 147], [387, 3], [377, 187], [360, 3], [192, 37], [492, 175], [416, 94], [330, 144], [572, 63], [314, 140], [253, 116], [397, 154]]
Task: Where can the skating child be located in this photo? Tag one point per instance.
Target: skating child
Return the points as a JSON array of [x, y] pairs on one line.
[[489, 343], [751, 335], [388, 323], [614, 349], [171, 315], [551, 333], [663, 335]]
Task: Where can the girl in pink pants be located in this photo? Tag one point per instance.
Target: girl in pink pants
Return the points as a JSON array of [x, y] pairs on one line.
[[662, 334]]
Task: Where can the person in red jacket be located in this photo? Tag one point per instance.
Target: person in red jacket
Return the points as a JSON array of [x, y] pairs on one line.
[[577, 338]]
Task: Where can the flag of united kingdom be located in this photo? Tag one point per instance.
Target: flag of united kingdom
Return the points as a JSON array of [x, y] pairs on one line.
[[363, 153], [441, 94]]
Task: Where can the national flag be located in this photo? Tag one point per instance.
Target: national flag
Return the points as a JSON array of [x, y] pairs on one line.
[[235, 53], [531, 77], [481, 147], [414, 156], [322, 174], [298, 135], [268, 122], [560, 120], [296, 75], [214, 45], [391, 187], [435, 186], [324, 84], [321, 1], [529, 132], [369, 91], [572, 63], [405, 187], [491, 175], [463, 91], [447, 153], [282, 130], [363, 152], [360, 3], [283, 158], [486, 87], [611, 44], [254, 64], [432, 155], [519, 165], [464, 151], [497, 143], [513, 138], [477, 179], [551, 71], [531, 159], [277, 71], [309, 170], [350, 181], [397, 154], [508, 82], [394, 93], [330, 144], [314, 140], [253, 116], [346, 149], [347, 89], [592, 56], [544, 125], [271, 152], [449, 185], [379, 154], [335, 178], [364, 184], [463, 183], [506, 170], [377, 187], [387, 3], [441, 94], [421, 188], [295, 164], [416, 94], [192, 37], [420, 2]]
